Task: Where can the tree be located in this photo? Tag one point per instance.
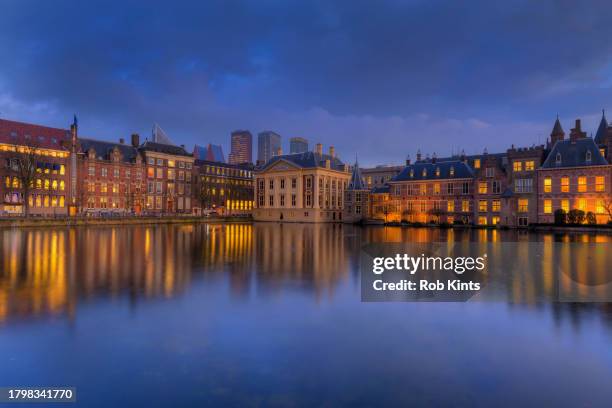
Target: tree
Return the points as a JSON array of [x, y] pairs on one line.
[[560, 216], [436, 213], [590, 218], [608, 208], [24, 164], [575, 217]]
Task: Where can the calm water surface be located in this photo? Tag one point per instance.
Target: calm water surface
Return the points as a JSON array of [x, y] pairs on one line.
[[264, 314]]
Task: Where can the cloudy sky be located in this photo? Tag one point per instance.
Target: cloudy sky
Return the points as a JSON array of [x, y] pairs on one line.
[[379, 79]]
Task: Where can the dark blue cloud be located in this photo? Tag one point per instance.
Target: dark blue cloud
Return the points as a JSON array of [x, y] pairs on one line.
[[376, 78]]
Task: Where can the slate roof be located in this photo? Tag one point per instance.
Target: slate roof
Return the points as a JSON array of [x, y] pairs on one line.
[[601, 130], [500, 158], [381, 190], [241, 166], [573, 154], [356, 182], [462, 170], [103, 149], [164, 148], [307, 160], [20, 133], [557, 129]]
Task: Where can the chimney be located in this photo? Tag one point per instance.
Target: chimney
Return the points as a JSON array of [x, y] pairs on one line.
[[135, 139], [418, 155], [577, 133], [332, 151], [121, 140], [408, 160], [319, 148]]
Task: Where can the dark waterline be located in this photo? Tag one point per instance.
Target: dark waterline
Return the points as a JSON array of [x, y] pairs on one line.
[[269, 314]]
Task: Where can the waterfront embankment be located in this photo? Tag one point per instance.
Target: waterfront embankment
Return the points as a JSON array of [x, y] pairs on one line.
[[85, 221]]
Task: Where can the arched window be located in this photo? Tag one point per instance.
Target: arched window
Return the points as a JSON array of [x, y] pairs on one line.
[[452, 171]]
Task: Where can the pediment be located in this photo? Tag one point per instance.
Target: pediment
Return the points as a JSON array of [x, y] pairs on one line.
[[282, 165]]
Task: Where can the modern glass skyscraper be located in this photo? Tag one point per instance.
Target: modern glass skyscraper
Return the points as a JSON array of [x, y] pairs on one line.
[[268, 143], [298, 145], [242, 147]]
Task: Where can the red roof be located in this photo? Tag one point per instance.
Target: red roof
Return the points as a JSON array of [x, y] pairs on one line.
[[34, 135]]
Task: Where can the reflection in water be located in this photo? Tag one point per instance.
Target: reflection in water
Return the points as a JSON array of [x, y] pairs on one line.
[[48, 271]]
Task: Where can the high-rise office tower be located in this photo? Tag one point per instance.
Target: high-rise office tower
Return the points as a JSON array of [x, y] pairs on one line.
[[242, 147], [268, 144], [298, 145]]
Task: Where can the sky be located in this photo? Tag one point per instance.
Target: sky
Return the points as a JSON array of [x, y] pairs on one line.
[[377, 79]]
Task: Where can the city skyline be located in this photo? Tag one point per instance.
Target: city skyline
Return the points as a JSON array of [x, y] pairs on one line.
[[479, 87]]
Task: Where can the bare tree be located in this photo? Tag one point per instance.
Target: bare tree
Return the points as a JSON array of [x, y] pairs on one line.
[[608, 207], [24, 164]]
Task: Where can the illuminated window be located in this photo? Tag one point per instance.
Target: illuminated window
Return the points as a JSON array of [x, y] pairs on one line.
[[482, 220], [476, 163], [600, 207], [436, 188], [103, 188], [465, 206], [170, 163], [482, 206], [159, 173], [424, 172], [494, 220], [62, 185], [523, 205], [565, 184], [565, 205], [54, 185], [517, 166], [482, 187], [450, 206], [529, 165], [602, 151], [582, 184], [581, 204], [547, 206], [47, 184], [450, 219], [452, 171], [600, 183], [150, 172], [62, 171], [437, 172], [547, 184], [495, 206]]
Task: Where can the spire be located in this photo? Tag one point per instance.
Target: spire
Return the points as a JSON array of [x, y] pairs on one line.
[[602, 129], [557, 133], [75, 121], [356, 182]]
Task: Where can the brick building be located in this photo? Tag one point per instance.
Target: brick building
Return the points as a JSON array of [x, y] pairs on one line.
[[225, 188], [356, 197]]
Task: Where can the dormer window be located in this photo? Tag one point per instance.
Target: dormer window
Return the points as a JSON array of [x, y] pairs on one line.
[[558, 158], [411, 173], [452, 171], [424, 173], [437, 172], [588, 156]]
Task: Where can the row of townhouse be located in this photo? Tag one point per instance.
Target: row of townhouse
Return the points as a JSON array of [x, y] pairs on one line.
[[70, 175], [519, 187]]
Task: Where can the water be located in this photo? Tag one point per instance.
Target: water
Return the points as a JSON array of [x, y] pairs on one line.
[[264, 314]]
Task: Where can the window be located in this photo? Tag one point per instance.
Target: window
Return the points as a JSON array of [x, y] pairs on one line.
[[424, 173], [271, 201], [465, 188], [600, 207], [547, 206], [482, 206], [282, 200], [494, 220], [104, 172], [523, 205], [495, 206], [171, 163], [476, 163], [293, 200], [160, 162], [482, 220], [523, 221], [582, 184], [581, 205], [450, 187], [159, 173], [517, 166], [437, 172], [565, 184], [116, 173], [588, 156], [490, 172], [294, 183], [565, 206], [170, 174], [452, 171], [150, 172], [600, 183], [271, 184], [450, 206], [103, 188], [529, 165], [282, 183], [482, 187], [523, 185], [436, 188], [547, 184], [558, 159], [496, 187], [465, 206]]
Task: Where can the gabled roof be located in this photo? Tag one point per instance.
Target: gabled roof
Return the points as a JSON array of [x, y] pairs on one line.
[[356, 182], [428, 171], [27, 134], [602, 129], [574, 154], [164, 148], [306, 160], [103, 149], [557, 129]]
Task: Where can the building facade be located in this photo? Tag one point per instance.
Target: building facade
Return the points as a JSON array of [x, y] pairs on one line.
[[298, 145], [225, 188], [40, 157], [379, 176], [356, 198], [268, 145], [304, 187], [210, 152], [241, 147]]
